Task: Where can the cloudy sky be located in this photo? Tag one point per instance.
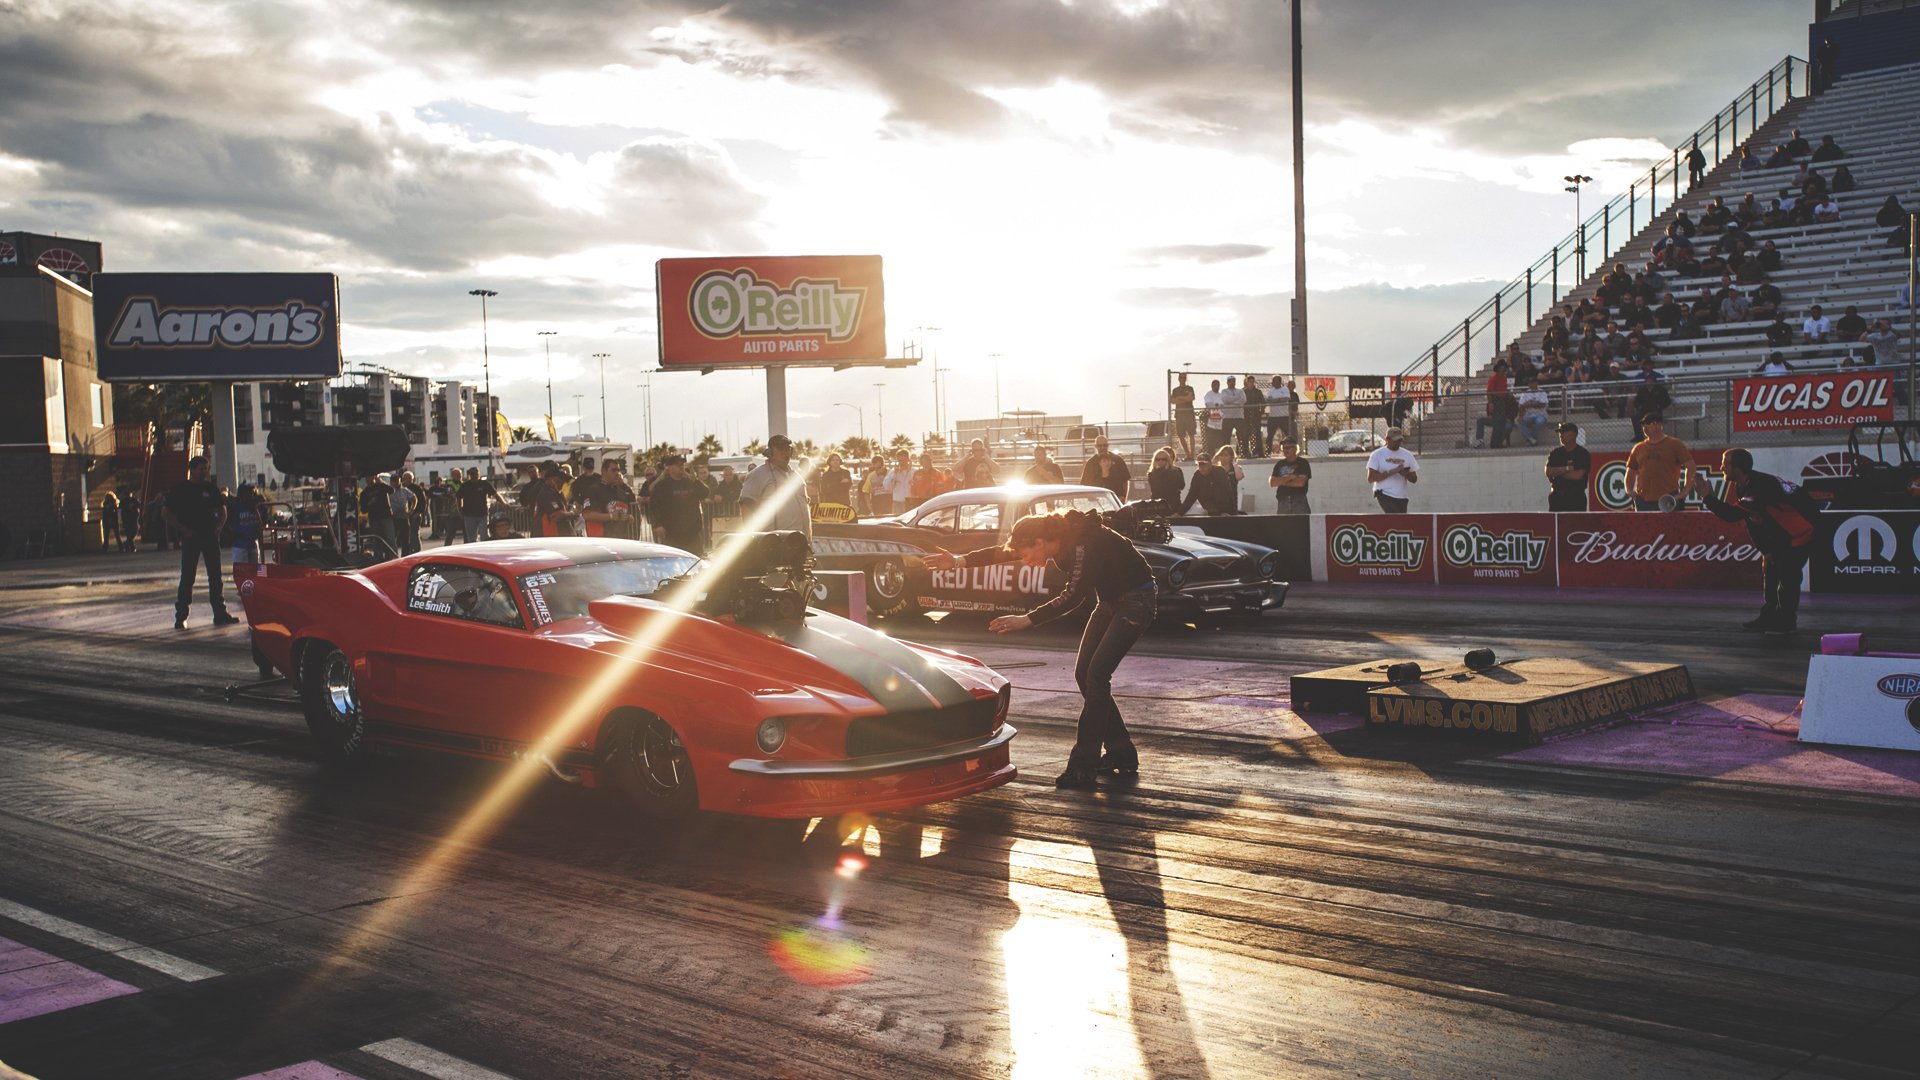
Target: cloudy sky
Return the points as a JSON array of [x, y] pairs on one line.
[[1094, 190]]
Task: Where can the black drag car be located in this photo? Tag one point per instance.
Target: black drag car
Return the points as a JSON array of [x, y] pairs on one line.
[[1199, 577]]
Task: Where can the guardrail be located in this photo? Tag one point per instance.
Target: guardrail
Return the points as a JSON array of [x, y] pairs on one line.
[[1616, 223]]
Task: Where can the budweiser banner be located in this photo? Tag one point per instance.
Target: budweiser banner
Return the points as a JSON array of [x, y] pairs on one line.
[[766, 310], [1833, 399], [1380, 547], [1684, 550], [1505, 549]]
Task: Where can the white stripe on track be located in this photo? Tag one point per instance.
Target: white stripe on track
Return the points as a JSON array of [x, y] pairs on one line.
[[404, 1052]]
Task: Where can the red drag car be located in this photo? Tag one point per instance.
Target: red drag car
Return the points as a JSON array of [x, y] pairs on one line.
[[636, 667]]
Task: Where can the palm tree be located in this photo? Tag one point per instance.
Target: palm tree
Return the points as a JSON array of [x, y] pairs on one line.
[[856, 446], [709, 447], [754, 448], [902, 441], [523, 433]]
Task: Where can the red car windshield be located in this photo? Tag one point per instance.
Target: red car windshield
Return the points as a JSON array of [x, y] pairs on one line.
[[554, 595]]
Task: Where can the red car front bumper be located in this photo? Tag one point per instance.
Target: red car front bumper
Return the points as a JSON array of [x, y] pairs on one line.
[[797, 789]]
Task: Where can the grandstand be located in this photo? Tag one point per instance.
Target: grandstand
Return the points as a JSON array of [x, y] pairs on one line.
[[1870, 114]]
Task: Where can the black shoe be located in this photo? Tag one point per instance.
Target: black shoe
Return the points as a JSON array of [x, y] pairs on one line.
[[1762, 621], [1077, 778], [180, 623], [1122, 763], [1780, 628], [225, 619]]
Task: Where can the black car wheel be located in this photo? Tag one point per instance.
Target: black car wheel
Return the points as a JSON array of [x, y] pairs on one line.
[[886, 588], [645, 765], [331, 698]]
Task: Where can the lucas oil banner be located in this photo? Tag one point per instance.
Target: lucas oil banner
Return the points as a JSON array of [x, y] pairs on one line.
[[764, 310], [1795, 402]]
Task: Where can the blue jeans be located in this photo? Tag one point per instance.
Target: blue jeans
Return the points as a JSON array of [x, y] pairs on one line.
[[1502, 429], [1531, 425]]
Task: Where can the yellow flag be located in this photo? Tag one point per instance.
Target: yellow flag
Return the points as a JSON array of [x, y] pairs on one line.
[[502, 430], [552, 435]]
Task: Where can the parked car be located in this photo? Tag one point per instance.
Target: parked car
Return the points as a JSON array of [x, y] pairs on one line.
[[1354, 441], [1198, 576], [677, 684]]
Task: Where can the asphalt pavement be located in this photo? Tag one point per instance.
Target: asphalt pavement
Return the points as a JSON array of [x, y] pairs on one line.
[[185, 892]]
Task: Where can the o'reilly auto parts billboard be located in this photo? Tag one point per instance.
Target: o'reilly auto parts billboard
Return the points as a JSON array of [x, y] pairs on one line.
[[1867, 551], [202, 327], [765, 310]]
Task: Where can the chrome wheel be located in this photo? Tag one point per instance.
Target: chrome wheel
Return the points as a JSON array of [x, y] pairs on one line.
[[343, 699], [889, 579], [663, 760]]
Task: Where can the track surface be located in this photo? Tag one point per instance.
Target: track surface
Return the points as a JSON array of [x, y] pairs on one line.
[[1254, 908]]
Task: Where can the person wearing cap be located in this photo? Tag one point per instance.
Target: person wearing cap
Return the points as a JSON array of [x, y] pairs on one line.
[[607, 503], [1658, 467], [1780, 515], [376, 502], [977, 469], [678, 507], [1393, 470], [500, 526], [1291, 475], [547, 501], [777, 482], [195, 509], [1568, 466], [1106, 469]]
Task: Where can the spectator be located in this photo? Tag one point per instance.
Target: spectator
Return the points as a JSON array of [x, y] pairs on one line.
[[1649, 397], [1181, 398], [1669, 312], [1885, 344], [1497, 378], [547, 503], [1664, 248], [1826, 66], [474, 496], [500, 526], [1774, 366], [776, 482], [1851, 326], [376, 502], [1843, 180], [1816, 328], [1779, 334], [1780, 516], [440, 505], [928, 480], [836, 483], [872, 491], [1567, 467], [1750, 161], [1279, 401], [130, 522], [1734, 306], [1254, 412], [678, 506], [729, 491], [1765, 299], [1797, 146], [110, 522], [1769, 258], [1826, 211], [1291, 475], [1393, 470], [1233, 410], [1503, 411], [1164, 481], [900, 483], [1641, 316], [1686, 328], [1293, 407], [1044, 469], [1718, 216], [1828, 150], [1212, 488], [1215, 433], [245, 523], [195, 509], [1748, 213], [1891, 214], [1556, 337], [409, 512], [977, 469], [606, 504], [1782, 212], [1613, 392], [1106, 469], [1658, 467], [1696, 165], [1683, 224], [1779, 158], [1533, 412]]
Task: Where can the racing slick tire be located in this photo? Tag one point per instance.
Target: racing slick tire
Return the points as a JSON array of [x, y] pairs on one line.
[[646, 768], [331, 699], [887, 588]]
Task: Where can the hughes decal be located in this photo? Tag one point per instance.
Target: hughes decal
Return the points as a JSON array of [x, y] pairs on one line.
[[770, 310], [1372, 547], [1509, 548]]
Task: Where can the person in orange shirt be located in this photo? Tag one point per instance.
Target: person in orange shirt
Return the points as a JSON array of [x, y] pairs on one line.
[[928, 480], [1659, 466]]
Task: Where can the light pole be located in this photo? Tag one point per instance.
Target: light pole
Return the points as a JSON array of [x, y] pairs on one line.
[[862, 413], [602, 357], [486, 366], [996, 390], [1579, 238], [923, 331], [546, 336], [1299, 208], [1123, 400], [879, 413], [646, 409], [580, 414]]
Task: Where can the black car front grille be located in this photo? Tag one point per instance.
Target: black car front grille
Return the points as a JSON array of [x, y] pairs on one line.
[[921, 728]]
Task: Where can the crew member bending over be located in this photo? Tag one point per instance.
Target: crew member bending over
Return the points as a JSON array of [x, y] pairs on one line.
[[1104, 565]]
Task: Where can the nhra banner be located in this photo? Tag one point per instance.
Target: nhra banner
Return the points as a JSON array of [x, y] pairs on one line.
[[1380, 547], [1682, 550], [764, 310], [1874, 551], [1500, 549], [214, 327], [1834, 399]]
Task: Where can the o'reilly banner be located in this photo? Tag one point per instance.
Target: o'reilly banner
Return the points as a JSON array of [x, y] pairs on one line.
[[201, 327], [1867, 551]]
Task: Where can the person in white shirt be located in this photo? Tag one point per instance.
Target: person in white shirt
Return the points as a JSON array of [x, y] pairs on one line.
[[1775, 366], [1533, 411], [1216, 429], [900, 480], [1827, 210], [778, 479], [1393, 470], [1233, 411], [1277, 411], [1816, 328]]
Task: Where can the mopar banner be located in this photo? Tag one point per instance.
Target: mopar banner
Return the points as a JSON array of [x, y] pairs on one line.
[[199, 327], [764, 310], [1380, 547], [1684, 550], [1367, 396], [1500, 549], [1832, 399], [1875, 551]]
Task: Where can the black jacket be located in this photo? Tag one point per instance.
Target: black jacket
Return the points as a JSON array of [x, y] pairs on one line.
[[1099, 563], [1779, 515]]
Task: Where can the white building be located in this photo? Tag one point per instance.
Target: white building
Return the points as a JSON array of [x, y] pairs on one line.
[[445, 421]]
